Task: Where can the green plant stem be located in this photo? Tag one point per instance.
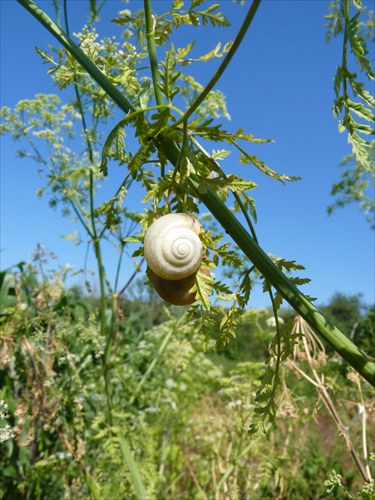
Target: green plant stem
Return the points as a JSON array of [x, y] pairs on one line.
[[344, 54], [128, 283], [223, 66], [150, 20], [99, 259], [118, 269], [340, 343], [236, 195], [105, 332]]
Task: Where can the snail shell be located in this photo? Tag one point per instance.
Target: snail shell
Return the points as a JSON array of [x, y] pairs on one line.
[[176, 292], [172, 247]]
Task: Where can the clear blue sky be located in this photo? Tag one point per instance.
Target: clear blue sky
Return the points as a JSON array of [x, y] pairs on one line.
[[280, 86]]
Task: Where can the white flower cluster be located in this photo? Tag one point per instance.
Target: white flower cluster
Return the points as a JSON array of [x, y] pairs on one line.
[[5, 432], [271, 322]]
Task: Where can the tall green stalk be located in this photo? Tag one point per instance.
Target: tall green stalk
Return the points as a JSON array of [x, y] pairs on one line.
[[149, 18], [342, 345], [105, 332]]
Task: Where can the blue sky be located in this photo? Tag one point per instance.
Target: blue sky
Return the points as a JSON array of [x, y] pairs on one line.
[[279, 86]]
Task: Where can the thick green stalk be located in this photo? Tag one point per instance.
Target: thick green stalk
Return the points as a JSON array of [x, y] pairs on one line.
[[288, 290], [149, 18], [232, 226], [340, 343]]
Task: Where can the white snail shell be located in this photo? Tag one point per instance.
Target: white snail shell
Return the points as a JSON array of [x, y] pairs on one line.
[[172, 247]]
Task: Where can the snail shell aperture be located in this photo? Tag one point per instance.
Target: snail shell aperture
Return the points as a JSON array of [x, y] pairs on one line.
[[172, 247]]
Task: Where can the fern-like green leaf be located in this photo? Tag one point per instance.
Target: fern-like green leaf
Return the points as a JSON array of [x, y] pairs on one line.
[[113, 147], [203, 289], [169, 75]]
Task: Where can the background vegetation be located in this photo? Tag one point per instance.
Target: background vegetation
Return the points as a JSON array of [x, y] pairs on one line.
[[119, 396], [185, 413]]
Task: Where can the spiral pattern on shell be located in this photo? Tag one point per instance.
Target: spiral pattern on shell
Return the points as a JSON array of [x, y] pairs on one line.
[[172, 247]]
